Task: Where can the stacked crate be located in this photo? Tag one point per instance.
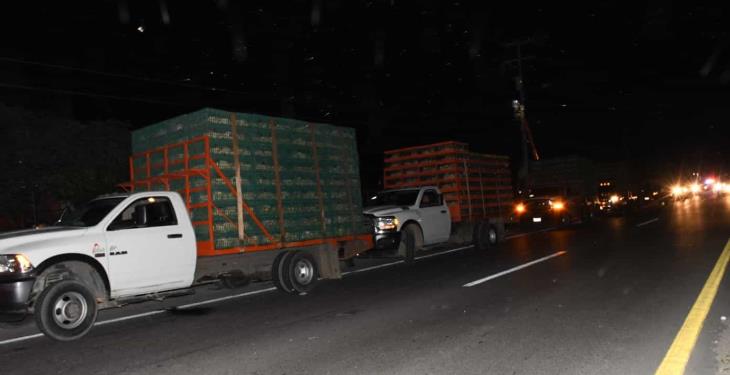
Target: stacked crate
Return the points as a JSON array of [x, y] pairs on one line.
[[475, 186], [299, 181]]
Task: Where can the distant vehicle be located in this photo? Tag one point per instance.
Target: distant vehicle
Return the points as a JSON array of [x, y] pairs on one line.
[[576, 206], [440, 194], [547, 211], [613, 204]]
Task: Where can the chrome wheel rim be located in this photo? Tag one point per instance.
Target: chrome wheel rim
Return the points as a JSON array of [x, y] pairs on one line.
[[492, 236], [303, 271], [70, 310]]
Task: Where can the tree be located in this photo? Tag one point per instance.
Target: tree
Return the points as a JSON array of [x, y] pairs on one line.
[[48, 160]]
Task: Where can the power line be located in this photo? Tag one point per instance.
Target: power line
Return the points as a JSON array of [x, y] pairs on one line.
[[89, 94], [119, 75]]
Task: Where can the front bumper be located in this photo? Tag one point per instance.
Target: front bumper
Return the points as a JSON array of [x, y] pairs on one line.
[[14, 296], [542, 218], [387, 241]]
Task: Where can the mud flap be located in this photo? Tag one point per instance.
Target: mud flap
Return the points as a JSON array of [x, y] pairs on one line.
[[328, 262]]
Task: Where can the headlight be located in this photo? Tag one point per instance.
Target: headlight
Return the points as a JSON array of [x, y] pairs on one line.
[[15, 263], [520, 208], [677, 190], [386, 223], [558, 205]]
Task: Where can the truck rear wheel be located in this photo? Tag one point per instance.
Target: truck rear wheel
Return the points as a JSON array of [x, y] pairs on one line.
[[300, 272], [278, 272], [66, 310], [485, 236], [492, 236]]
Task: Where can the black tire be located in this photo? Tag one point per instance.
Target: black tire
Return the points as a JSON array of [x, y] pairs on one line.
[[407, 246], [300, 271], [277, 273], [481, 239], [492, 236], [66, 310]]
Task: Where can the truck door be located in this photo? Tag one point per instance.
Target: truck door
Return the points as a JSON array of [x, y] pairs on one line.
[[143, 243], [435, 218]]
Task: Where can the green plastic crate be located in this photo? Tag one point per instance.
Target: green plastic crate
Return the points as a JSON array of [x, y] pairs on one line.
[[339, 175]]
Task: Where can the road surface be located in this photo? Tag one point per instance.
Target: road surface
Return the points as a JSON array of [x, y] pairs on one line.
[[608, 297]]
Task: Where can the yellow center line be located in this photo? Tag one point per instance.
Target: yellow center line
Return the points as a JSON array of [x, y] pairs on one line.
[[678, 355]]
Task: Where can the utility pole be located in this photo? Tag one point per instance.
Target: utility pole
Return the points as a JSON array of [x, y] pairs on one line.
[[520, 112]]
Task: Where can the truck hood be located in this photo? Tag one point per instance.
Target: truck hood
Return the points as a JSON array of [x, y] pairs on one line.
[[15, 240], [384, 210]]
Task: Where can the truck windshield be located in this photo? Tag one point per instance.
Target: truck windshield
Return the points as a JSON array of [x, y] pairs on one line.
[[394, 198], [90, 213]]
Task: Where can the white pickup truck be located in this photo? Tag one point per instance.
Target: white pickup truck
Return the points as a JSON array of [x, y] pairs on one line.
[[412, 219], [127, 248]]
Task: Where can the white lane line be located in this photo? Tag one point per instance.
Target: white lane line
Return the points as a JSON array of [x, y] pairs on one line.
[[647, 222], [384, 265], [130, 317], [148, 313], [226, 298], [116, 320], [22, 338], [373, 267], [513, 269], [445, 252], [260, 291]]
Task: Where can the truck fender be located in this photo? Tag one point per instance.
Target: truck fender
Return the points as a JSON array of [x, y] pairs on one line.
[[72, 267], [418, 239]]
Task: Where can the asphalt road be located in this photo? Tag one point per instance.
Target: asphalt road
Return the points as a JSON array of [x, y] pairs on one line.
[[602, 298]]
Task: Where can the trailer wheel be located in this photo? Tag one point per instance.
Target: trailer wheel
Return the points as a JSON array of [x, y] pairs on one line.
[[407, 246], [300, 271], [66, 310], [492, 236], [481, 236], [278, 273]]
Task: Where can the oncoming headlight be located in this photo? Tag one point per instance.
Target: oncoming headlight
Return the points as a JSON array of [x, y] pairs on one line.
[[14, 263], [386, 224]]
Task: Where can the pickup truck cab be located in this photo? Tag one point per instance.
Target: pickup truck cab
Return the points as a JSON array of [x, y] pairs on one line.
[[411, 219], [113, 250]]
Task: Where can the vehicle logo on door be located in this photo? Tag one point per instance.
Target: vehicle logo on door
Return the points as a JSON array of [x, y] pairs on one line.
[[113, 250], [97, 251]]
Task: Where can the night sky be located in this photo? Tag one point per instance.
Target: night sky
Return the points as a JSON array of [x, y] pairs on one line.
[[646, 82]]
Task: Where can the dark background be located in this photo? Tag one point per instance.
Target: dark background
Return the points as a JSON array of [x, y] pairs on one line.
[[643, 82]]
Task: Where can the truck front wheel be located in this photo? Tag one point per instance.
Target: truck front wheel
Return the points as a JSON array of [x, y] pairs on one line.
[[408, 240], [66, 310]]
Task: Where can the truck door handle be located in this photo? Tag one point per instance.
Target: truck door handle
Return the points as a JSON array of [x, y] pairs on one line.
[[443, 211], [175, 235]]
